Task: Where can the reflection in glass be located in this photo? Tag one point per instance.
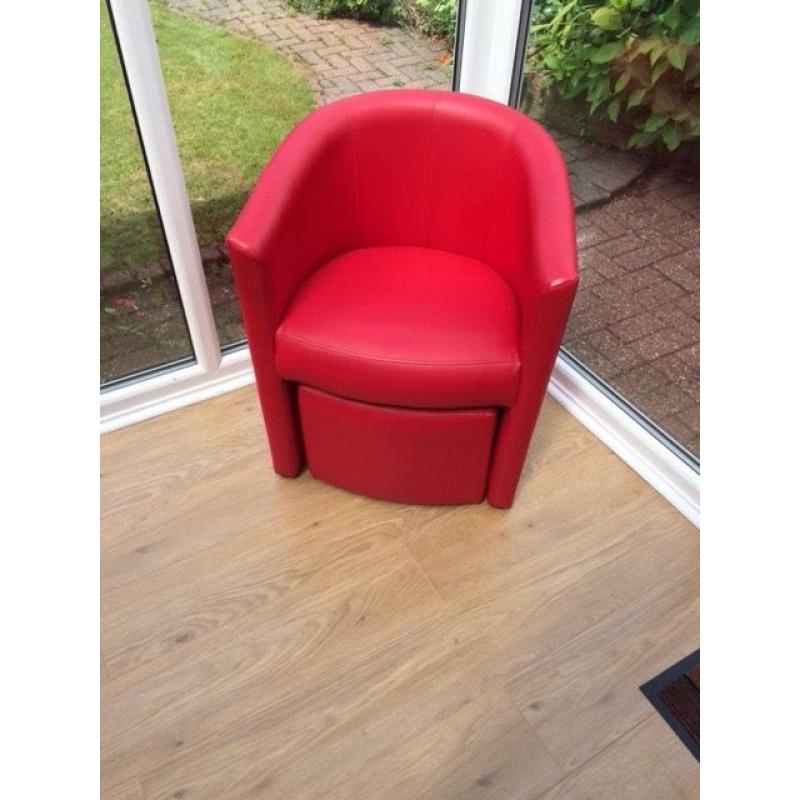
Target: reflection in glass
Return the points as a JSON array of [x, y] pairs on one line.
[[240, 76], [618, 87]]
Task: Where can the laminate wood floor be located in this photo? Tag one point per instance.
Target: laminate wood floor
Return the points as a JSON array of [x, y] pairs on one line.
[[270, 638]]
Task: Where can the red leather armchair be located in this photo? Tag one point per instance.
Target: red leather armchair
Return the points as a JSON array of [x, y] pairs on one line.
[[405, 267]]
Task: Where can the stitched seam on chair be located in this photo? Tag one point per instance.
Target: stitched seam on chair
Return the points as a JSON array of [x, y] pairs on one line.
[[478, 412], [532, 199], [357, 212], [359, 356], [431, 203], [502, 165]]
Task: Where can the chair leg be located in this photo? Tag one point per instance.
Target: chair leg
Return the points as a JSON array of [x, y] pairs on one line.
[[510, 450], [541, 344], [279, 407]]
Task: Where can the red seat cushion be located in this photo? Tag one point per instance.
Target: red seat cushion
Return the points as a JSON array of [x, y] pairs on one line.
[[404, 326]]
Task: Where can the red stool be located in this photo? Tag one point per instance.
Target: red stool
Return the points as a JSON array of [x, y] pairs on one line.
[[405, 266]]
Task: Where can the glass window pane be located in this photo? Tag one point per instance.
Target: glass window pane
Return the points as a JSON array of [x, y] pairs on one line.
[[239, 76], [141, 319], [618, 87]]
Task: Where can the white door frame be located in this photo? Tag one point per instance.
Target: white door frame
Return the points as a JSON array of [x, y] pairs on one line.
[[134, 29], [488, 53], [212, 372]]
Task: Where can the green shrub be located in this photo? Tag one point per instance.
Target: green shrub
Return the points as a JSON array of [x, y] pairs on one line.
[[636, 61], [376, 10], [432, 17]]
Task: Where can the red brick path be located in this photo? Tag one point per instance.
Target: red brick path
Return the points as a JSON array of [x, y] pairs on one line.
[[341, 56], [636, 318]]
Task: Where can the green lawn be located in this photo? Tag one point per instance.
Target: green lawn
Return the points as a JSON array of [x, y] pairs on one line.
[[232, 102]]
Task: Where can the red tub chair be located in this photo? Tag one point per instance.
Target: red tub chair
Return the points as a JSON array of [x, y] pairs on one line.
[[405, 267]]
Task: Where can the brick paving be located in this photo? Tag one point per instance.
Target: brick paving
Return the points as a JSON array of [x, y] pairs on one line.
[[597, 173], [340, 56], [636, 321]]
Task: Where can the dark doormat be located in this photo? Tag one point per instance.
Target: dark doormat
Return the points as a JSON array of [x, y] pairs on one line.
[[675, 694]]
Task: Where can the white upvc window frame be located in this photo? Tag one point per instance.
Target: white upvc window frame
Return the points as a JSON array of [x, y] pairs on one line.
[[211, 372], [490, 46]]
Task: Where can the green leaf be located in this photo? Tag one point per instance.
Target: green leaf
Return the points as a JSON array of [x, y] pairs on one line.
[[552, 61], [613, 108], [657, 52], [607, 18], [636, 98], [644, 46], [606, 52], [622, 82], [655, 121], [676, 55], [671, 137], [562, 12], [643, 138], [691, 32], [658, 71], [571, 89], [671, 18], [634, 140], [599, 90]]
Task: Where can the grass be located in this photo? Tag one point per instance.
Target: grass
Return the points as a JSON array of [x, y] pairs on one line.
[[232, 102]]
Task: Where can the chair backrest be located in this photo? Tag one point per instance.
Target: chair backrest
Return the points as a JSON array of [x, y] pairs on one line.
[[434, 169], [444, 170]]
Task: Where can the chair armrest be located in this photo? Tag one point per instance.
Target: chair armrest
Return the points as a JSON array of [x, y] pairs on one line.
[[301, 212], [531, 239], [299, 215], [545, 281], [554, 257]]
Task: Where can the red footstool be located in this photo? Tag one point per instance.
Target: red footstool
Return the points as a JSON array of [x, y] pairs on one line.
[[405, 266]]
